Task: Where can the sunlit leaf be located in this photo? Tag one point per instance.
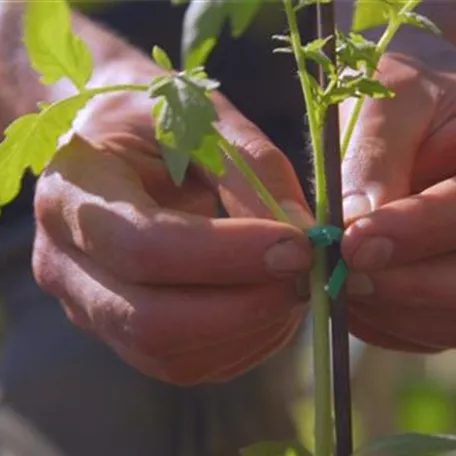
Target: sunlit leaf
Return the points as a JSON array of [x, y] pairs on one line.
[[356, 52], [54, 50], [184, 118], [203, 23], [373, 13], [161, 58], [409, 445], [32, 140], [417, 20]]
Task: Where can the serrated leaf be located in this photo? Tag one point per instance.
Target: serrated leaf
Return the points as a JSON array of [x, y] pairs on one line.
[[276, 449], [373, 88], [32, 140], [417, 20], [356, 52], [54, 50], [184, 123], [356, 86], [314, 51], [203, 23], [161, 58], [317, 44], [409, 445]]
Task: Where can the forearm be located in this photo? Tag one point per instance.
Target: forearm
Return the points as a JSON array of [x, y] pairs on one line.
[[20, 89]]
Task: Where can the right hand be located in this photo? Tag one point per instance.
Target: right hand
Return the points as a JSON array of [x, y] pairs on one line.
[[178, 293]]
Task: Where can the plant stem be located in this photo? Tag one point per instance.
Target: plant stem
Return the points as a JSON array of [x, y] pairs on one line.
[[319, 297], [382, 45], [253, 180], [116, 88]]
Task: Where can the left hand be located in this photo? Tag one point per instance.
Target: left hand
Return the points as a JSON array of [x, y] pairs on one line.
[[399, 180]]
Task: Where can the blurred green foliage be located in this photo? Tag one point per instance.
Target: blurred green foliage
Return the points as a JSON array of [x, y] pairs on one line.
[[426, 406]]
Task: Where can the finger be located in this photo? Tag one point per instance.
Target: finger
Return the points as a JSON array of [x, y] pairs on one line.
[[191, 368], [98, 204], [268, 163], [275, 345], [436, 158], [427, 327], [144, 319], [372, 333], [403, 231], [422, 284], [415, 302], [234, 356], [378, 165]]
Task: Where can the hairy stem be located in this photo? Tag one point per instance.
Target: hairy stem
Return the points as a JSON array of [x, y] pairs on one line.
[[382, 45], [319, 297]]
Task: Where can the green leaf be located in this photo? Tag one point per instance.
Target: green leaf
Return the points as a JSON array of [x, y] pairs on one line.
[[356, 52], [204, 21], [176, 162], [184, 122], [372, 88], [276, 449], [161, 58], [355, 85], [241, 15], [409, 445], [209, 156], [54, 50], [374, 13], [32, 140], [417, 20]]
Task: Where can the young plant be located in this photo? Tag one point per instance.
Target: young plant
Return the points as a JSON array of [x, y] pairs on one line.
[[184, 123]]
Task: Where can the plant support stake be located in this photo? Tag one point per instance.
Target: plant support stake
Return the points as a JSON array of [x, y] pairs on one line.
[[339, 312]]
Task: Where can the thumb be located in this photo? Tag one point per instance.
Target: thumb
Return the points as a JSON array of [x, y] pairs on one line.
[[378, 165], [270, 165]]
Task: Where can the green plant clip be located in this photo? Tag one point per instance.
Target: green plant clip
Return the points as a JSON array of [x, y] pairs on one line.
[[324, 236]]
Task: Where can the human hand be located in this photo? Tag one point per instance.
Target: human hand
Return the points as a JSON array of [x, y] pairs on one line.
[[400, 202], [178, 293]]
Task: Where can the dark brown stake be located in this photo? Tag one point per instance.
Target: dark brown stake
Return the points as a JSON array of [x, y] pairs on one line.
[[339, 311]]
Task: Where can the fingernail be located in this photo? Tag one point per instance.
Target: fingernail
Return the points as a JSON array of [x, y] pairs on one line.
[[298, 215], [356, 206], [359, 284], [287, 257], [373, 253]]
